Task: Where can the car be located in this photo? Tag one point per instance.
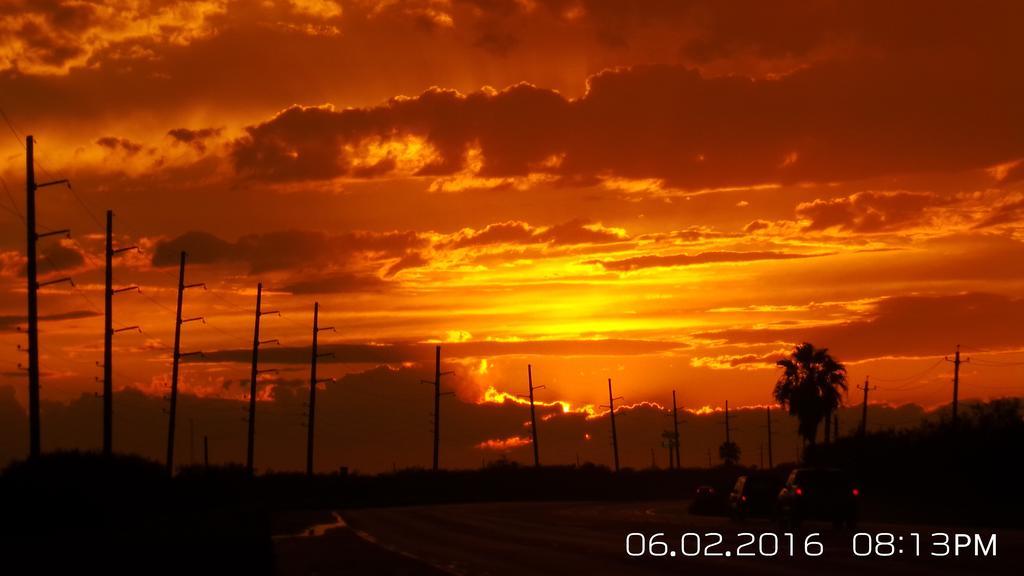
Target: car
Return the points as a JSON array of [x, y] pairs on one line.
[[754, 495], [707, 500], [818, 494]]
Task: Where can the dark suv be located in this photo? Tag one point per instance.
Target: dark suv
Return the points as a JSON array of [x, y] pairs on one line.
[[818, 494], [754, 495]]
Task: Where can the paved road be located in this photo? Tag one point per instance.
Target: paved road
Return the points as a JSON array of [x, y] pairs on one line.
[[588, 538]]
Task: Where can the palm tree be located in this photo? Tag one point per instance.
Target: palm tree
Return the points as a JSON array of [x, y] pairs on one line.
[[810, 386]]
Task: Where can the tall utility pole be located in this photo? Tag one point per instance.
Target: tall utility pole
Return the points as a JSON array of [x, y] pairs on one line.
[[313, 383], [34, 443], [727, 440], [770, 463], [533, 416], [864, 406], [176, 356], [256, 342], [615, 434], [437, 402], [956, 381], [675, 428], [437, 405], [108, 335]]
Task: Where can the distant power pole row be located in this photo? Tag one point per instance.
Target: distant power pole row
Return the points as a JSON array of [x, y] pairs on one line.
[[33, 286]]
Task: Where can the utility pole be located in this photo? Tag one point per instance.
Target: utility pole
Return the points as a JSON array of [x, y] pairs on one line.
[[108, 335], [256, 342], [313, 382], [727, 440], [615, 434], [675, 427], [956, 381], [533, 416], [176, 356], [437, 403], [864, 407], [769, 412], [34, 442], [437, 406]]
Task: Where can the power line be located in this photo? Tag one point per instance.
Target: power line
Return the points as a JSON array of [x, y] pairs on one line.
[[10, 125], [996, 363], [14, 205], [914, 376]]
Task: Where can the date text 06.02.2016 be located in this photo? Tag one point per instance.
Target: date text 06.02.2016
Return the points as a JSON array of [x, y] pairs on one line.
[[787, 544]]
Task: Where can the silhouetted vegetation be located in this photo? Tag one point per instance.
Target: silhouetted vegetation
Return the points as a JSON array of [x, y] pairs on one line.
[[939, 472], [810, 386], [82, 513], [729, 452], [124, 514]]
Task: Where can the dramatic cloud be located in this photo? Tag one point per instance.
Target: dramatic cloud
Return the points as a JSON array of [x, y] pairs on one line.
[[53, 36], [9, 322], [1009, 211], [869, 211], [288, 250], [514, 232], [194, 138], [835, 121], [398, 353], [655, 261], [658, 192], [340, 283], [114, 144], [905, 326]]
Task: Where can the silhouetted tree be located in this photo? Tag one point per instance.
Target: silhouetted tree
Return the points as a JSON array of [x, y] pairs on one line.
[[810, 386], [729, 452]]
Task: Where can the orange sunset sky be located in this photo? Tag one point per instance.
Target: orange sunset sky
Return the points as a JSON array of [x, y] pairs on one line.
[[668, 193]]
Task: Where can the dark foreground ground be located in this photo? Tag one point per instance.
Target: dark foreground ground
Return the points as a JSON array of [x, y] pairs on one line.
[[585, 538]]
